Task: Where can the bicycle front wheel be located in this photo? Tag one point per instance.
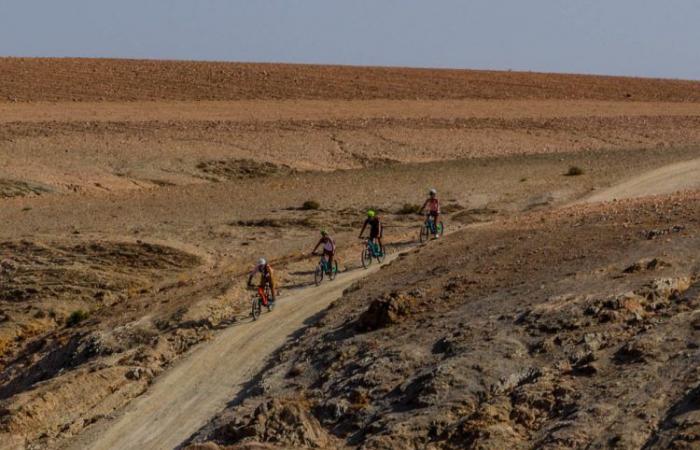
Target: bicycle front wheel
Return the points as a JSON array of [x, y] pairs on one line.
[[318, 275], [256, 308], [424, 233], [366, 258]]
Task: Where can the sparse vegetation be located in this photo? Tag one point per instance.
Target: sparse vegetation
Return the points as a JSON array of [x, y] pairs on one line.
[[409, 208], [574, 171], [232, 169], [310, 205], [452, 207], [76, 317]]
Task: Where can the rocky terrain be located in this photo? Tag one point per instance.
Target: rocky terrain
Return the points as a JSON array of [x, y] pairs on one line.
[[501, 337], [135, 196]]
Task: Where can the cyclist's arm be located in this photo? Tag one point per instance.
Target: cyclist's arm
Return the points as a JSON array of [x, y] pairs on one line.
[[422, 208], [364, 225], [316, 248], [252, 274]]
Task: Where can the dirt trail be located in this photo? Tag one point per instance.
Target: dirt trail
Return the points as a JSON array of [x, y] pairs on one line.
[[664, 180], [197, 388]]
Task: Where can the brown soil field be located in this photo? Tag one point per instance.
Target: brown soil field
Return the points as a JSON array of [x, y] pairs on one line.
[[135, 196], [36, 79]]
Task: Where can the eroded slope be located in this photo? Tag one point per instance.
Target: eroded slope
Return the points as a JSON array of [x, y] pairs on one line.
[[563, 330]]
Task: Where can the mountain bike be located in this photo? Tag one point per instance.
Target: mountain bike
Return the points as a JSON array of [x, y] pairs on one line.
[[370, 252], [429, 228], [262, 298], [324, 269]]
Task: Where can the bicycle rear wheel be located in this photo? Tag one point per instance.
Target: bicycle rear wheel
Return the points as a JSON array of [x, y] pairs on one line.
[[441, 229], [334, 271], [366, 258], [381, 255], [318, 275], [256, 308]]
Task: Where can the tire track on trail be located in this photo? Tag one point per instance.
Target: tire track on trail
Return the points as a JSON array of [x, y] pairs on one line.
[[199, 386], [664, 180]]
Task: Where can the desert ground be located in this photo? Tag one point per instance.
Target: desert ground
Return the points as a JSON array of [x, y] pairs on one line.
[[560, 310]]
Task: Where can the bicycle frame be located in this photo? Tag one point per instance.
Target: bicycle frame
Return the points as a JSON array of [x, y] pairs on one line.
[[373, 248], [430, 224], [324, 263]]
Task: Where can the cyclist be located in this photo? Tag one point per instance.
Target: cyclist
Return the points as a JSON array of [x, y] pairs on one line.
[[266, 277], [433, 206], [376, 229], [328, 248]]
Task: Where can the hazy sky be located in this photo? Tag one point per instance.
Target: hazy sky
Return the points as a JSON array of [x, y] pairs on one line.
[[632, 37]]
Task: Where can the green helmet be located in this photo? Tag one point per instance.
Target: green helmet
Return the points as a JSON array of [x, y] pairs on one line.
[[324, 232], [371, 213]]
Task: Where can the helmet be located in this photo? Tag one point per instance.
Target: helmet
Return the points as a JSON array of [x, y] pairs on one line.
[[432, 192], [371, 213], [262, 262], [324, 232]]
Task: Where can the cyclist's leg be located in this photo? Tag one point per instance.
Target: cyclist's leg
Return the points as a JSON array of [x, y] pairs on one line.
[[373, 238], [273, 289], [261, 290], [330, 261]]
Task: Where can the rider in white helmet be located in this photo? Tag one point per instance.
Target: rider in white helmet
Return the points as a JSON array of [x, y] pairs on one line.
[[266, 276], [432, 204]]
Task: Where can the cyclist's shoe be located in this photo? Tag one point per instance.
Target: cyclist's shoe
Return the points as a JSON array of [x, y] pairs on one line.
[[271, 306]]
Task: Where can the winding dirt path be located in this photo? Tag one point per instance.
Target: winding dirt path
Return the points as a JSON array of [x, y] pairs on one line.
[[187, 396], [664, 180]]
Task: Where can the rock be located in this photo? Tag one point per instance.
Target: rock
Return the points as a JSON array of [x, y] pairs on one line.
[[695, 323], [285, 422], [385, 311], [593, 341], [134, 373], [646, 264], [638, 351]]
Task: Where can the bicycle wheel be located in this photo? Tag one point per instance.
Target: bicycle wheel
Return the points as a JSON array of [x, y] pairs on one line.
[[424, 233], [256, 308], [366, 258], [318, 275], [334, 271], [380, 255], [441, 229]]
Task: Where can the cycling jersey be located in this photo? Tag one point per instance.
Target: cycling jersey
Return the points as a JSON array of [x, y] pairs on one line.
[[375, 227], [328, 244], [433, 205]]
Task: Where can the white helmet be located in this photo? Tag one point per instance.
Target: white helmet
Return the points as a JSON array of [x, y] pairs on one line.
[[262, 262], [432, 191]]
